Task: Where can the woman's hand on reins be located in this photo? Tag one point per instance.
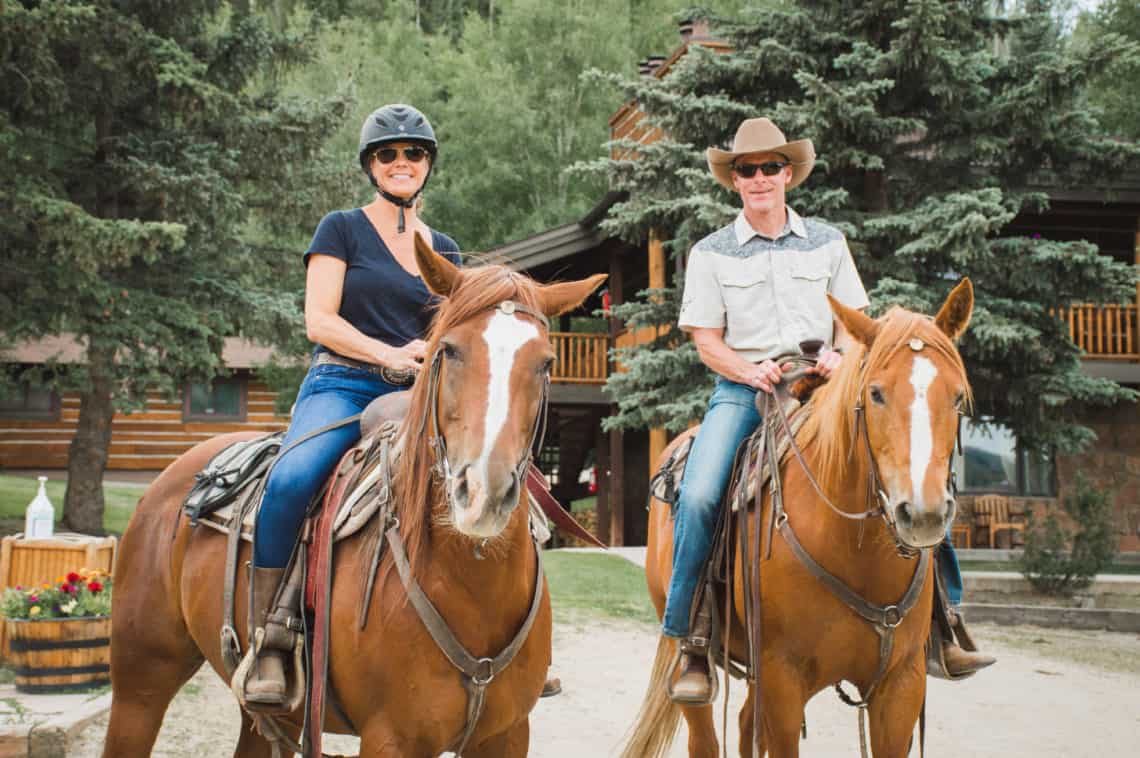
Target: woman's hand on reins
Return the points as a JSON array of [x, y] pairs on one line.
[[410, 357]]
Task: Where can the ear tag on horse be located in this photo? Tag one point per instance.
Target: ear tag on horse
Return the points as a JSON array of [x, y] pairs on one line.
[[507, 307], [916, 344]]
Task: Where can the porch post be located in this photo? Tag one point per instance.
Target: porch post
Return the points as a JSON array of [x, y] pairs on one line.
[[657, 436], [617, 458]]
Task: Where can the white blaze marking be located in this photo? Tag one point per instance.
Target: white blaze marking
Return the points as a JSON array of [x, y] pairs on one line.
[[504, 336], [922, 375]]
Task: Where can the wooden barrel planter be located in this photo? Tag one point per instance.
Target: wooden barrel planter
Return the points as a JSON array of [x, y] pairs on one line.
[[60, 655]]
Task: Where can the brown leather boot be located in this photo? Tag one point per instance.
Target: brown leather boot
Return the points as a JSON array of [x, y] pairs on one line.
[[266, 684], [694, 685], [965, 659], [552, 686]]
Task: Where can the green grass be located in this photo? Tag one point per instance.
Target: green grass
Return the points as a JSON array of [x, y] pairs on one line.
[[585, 504], [596, 584], [1013, 568], [17, 491]]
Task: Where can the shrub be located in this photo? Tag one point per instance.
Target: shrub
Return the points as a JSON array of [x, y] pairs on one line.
[[1058, 560]]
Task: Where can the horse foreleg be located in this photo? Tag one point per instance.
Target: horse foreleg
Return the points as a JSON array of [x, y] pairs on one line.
[[702, 730], [513, 743], [895, 708], [783, 702]]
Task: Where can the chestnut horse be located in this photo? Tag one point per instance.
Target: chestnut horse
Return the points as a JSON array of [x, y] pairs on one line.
[[907, 375], [467, 539]]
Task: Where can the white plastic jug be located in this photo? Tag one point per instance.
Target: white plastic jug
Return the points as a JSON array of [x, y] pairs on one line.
[[39, 520]]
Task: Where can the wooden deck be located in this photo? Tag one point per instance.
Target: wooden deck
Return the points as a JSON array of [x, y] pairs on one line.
[[1104, 332]]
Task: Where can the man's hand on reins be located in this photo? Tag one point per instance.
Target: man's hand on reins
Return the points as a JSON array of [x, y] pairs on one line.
[[828, 361], [763, 376]]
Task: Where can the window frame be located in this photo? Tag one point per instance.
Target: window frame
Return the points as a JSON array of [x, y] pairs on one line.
[[24, 414], [242, 415], [1021, 455]]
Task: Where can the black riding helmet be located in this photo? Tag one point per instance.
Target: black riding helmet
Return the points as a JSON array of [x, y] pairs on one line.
[[396, 123]]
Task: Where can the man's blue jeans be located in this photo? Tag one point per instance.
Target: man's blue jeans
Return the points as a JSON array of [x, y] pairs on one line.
[[329, 393], [731, 417], [950, 570]]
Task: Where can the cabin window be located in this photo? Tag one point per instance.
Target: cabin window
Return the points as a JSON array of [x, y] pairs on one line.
[[219, 400], [994, 461], [25, 399]]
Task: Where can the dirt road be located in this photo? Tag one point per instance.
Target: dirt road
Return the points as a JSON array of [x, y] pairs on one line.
[[1052, 693]]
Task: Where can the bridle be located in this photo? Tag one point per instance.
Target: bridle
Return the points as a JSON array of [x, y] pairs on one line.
[[441, 467], [875, 490]]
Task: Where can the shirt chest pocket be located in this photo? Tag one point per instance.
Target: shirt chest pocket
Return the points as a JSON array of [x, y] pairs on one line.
[[808, 279], [743, 289]]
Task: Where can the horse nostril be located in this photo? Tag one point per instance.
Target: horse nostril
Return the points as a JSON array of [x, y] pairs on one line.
[[511, 496], [903, 514], [459, 490]]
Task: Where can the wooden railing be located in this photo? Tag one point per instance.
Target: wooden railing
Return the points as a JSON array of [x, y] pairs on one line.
[[1104, 331], [581, 357]]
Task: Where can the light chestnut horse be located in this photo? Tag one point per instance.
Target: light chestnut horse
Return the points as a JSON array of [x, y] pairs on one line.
[[905, 371], [394, 684]]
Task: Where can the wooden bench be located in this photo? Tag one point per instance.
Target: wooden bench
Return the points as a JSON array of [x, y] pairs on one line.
[[992, 515]]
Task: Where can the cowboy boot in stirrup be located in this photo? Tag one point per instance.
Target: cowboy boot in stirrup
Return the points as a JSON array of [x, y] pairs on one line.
[[965, 659], [266, 689], [696, 683]]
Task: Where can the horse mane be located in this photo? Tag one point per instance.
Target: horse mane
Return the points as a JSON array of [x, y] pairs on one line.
[[830, 429], [414, 486]]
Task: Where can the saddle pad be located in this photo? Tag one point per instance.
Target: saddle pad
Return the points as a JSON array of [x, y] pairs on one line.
[[228, 473]]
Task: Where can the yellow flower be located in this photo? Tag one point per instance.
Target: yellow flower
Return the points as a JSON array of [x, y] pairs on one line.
[[34, 610]]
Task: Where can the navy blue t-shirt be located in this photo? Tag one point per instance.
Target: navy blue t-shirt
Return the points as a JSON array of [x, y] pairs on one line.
[[380, 298]]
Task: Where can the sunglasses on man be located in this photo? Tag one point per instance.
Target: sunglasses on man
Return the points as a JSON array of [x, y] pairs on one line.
[[415, 154], [767, 168]]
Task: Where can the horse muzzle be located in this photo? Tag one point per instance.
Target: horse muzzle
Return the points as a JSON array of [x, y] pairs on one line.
[[483, 500], [922, 525]]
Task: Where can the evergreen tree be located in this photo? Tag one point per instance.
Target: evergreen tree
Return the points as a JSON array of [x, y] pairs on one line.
[[933, 122], [1114, 91], [151, 185]]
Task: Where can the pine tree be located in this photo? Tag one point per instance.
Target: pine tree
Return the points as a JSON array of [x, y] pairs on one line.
[[152, 183], [934, 121]]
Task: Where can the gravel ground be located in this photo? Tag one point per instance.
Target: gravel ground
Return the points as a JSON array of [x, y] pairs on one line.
[[1051, 693]]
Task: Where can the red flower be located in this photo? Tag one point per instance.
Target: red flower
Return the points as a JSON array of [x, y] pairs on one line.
[[68, 588], [33, 598], [94, 586], [74, 578]]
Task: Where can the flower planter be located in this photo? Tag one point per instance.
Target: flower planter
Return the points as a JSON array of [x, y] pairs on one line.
[[61, 654], [28, 563]]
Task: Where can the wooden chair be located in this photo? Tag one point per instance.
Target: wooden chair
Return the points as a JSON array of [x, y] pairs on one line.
[[961, 530], [991, 514]]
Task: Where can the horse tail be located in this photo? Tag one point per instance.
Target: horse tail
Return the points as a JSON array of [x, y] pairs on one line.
[[659, 717]]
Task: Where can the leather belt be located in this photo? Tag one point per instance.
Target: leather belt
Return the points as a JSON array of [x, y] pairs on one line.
[[391, 376]]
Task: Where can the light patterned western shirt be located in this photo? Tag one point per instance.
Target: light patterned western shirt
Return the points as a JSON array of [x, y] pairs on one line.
[[769, 294]]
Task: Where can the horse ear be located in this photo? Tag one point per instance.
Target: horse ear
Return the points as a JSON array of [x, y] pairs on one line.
[[566, 296], [440, 274], [858, 324], [954, 315]]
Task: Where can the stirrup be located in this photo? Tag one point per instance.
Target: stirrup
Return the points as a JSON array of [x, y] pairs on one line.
[[689, 648]]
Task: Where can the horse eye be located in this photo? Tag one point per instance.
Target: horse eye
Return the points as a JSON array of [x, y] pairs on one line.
[[451, 352], [877, 396], [547, 365]]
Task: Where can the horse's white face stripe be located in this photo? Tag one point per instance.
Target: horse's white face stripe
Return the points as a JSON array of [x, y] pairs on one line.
[[922, 374], [504, 336]]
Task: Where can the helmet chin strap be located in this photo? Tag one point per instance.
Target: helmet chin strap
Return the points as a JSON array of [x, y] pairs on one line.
[[402, 202]]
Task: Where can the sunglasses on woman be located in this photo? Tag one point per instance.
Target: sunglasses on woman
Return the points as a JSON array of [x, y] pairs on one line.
[[767, 168], [415, 154]]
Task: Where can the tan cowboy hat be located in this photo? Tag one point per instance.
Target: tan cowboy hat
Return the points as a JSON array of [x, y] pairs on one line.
[[760, 135]]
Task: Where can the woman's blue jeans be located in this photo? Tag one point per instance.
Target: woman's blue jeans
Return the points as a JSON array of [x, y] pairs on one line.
[[329, 393], [950, 570], [731, 417]]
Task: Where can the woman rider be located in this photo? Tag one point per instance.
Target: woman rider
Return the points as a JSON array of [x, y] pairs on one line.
[[367, 310]]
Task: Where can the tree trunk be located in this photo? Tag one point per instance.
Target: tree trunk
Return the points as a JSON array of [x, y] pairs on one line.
[[87, 456]]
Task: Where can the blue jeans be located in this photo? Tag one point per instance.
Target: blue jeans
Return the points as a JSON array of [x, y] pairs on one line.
[[329, 393], [950, 570], [731, 417]]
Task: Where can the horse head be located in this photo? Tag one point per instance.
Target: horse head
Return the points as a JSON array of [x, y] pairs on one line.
[[910, 387], [488, 376]]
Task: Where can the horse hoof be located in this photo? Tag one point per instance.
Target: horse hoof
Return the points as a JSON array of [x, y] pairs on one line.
[[552, 686]]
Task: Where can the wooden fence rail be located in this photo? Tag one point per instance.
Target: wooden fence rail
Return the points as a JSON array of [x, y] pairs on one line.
[[1104, 331], [581, 357]]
